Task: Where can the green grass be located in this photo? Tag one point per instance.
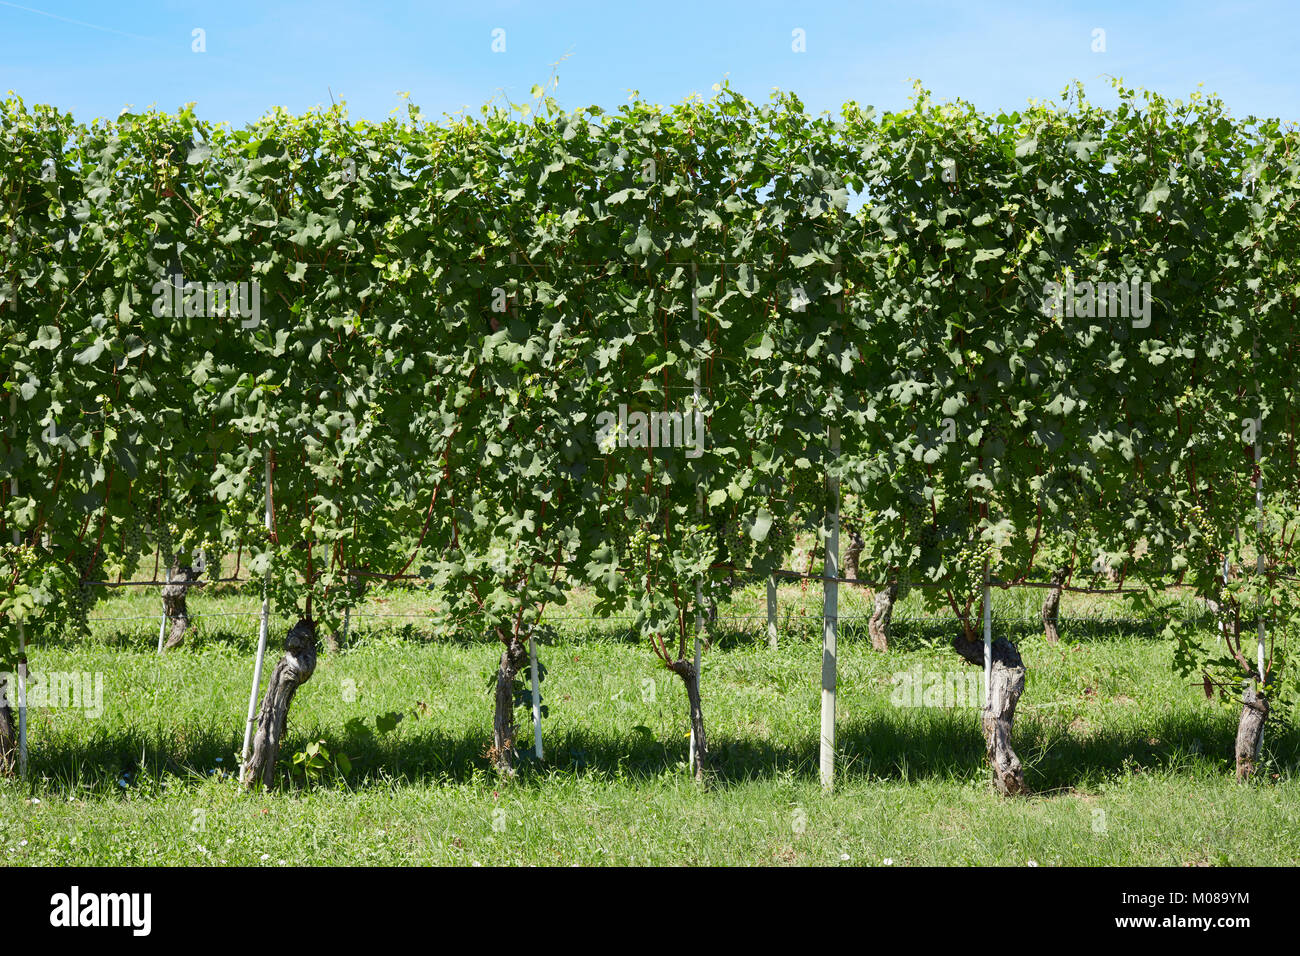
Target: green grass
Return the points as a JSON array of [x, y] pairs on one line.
[[1129, 764]]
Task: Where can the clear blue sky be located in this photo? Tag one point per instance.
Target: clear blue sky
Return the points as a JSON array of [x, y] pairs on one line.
[[95, 58]]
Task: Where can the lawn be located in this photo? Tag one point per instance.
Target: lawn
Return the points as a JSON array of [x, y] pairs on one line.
[[1129, 763]]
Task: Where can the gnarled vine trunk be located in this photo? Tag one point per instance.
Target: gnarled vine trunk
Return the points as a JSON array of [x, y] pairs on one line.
[[685, 669], [1250, 731], [1052, 606], [293, 670], [882, 612], [1006, 684], [174, 596], [513, 656], [8, 730]]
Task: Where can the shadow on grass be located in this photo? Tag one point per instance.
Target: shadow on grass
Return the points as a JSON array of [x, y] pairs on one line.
[[884, 746]]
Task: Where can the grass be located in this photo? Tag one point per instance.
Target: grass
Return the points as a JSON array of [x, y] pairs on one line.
[[1129, 764]]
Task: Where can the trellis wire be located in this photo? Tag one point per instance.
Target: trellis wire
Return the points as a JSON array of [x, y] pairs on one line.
[[770, 617]]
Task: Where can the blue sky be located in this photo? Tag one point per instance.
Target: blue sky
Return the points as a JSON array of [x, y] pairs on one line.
[[95, 58]]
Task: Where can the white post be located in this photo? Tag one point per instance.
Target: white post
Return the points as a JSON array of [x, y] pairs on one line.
[[162, 626], [1259, 517], [22, 635], [830, 618], [1259, 543], [771, 611], [830, 613], [261, 636], [347, 612], [537, 696], [699, 626], [988, 638], [699, 501], [22, 680], [22, 697]]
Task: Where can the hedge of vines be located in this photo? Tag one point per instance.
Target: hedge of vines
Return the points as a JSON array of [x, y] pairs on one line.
[[442, 335]]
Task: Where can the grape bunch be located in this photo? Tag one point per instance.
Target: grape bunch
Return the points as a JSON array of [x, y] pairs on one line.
[[130, 536], [640, 552], [740, 548], [163, 536], [966, 566], [88, 562]]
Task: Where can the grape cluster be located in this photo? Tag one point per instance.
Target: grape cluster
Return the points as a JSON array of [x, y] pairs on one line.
[[166, 546], [133, 544], [966, 565], [641, 551]]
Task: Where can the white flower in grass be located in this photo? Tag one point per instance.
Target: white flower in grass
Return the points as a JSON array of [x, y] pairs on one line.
[[265, 856], [888, 861], [844, 856], [1032, 863]]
